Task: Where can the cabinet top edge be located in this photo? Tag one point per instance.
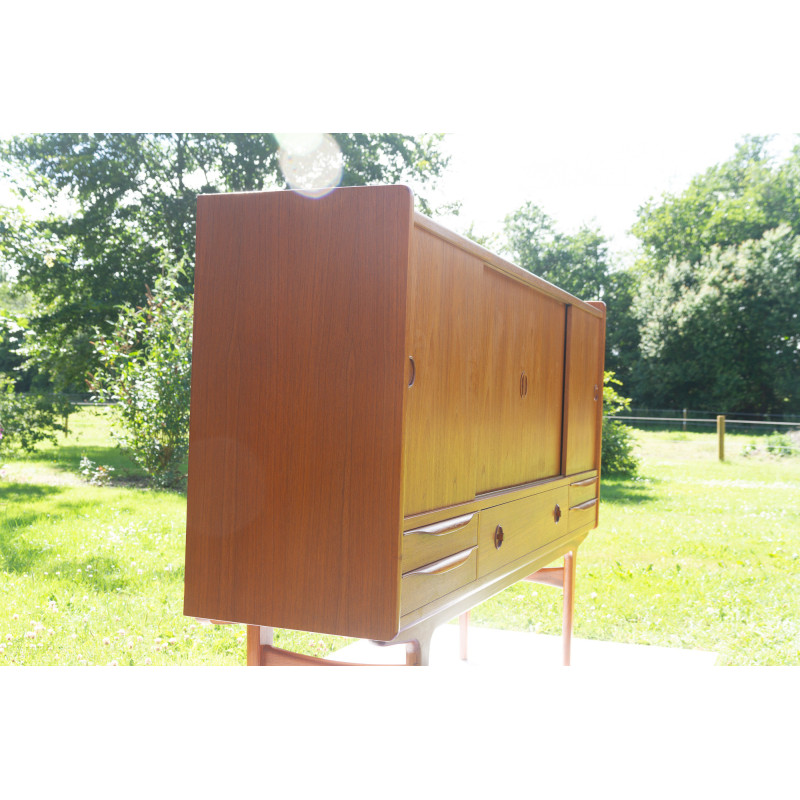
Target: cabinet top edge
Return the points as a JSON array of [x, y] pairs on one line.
[[437, 229], [507, 267]]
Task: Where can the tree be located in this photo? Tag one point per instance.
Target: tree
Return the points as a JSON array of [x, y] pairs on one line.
[[724, 333], [716, 281], [730, 203], [115, 204], [580, 264], [145, 368]]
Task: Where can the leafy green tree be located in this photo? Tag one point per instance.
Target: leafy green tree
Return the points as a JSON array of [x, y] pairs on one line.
[[715, 288], [580, 264], [145, 367], [724, 333], [115, 204], [27, 419], [730, 203]]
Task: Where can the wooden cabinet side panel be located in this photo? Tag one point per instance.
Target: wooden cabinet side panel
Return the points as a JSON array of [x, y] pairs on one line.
[[441, 406], [294, 496], [583, 391]]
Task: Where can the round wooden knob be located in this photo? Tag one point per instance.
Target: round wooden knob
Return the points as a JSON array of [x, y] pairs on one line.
[[498, 536]]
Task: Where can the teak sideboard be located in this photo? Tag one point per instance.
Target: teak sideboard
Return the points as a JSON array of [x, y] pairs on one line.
[[389, 423]]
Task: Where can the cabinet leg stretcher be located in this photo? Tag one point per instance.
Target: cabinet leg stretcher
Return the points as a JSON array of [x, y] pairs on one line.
[[262, 653]]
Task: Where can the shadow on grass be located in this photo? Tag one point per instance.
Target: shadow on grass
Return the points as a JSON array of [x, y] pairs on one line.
[[623, 491], [67, 457]]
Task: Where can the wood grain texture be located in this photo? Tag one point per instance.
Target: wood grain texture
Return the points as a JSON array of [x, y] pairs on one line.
[[581, 491], [309, 452], [527, 524], [442, 405], [432, 542], [502, 265], [421, 587], [294, 497], [522, 332], [583, 390]]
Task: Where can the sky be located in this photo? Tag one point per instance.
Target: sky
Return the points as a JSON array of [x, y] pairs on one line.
[[585, 109], [599, 182]]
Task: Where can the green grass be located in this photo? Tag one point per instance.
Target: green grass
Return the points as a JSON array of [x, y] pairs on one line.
[[694, 554], [94, 575]]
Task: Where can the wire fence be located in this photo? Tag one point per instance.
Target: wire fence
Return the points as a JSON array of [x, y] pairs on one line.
[[777, 434]]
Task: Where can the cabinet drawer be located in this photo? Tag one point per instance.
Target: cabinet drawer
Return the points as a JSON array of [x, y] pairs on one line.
[[581, 491], [512, 530], [583, 514], [426, 584], [432, 542]]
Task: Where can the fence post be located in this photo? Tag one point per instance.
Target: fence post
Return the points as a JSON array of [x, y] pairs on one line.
[[684, 419], [721, 436]]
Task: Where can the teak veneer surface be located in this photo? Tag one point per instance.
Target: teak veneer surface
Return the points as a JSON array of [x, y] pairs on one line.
[[294, 492], [360, 370]]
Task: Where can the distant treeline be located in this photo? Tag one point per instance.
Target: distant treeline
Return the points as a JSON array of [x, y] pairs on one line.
[[708, 315]]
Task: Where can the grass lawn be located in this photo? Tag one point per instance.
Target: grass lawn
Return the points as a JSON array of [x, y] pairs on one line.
[[695, 554]]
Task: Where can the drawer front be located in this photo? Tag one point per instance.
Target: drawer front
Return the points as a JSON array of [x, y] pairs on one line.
[[431, 542], [581, 491], [583, 514], [512, 530], [427, 584]]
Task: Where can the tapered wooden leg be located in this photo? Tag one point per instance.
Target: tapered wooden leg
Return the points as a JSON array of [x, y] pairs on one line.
[[257, 637], [569, 604], [418, 651], [463, 622]]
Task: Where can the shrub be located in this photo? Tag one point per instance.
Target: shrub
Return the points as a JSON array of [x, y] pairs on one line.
[[618, 440], [27, 419], [146, 369], [779, 444]]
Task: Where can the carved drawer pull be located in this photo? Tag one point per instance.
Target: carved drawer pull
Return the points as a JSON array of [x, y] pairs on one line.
[[587, 504], [413, 372], [443, 528], [498, 537], [445, 564], [596, 393], [557, 513], [586, 482]]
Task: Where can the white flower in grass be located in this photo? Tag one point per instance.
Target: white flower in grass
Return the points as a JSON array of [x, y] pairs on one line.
[[30, 634], [106, 641], [15, 616], [130, 644], [148, 661], [112, 663]]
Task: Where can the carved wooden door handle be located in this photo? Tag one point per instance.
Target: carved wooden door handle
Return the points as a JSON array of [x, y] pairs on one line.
[[413, 372], [498, 537]]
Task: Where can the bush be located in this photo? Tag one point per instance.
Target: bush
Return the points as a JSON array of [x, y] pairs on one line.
[[618, 441], [27, 419], [146, 369]]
